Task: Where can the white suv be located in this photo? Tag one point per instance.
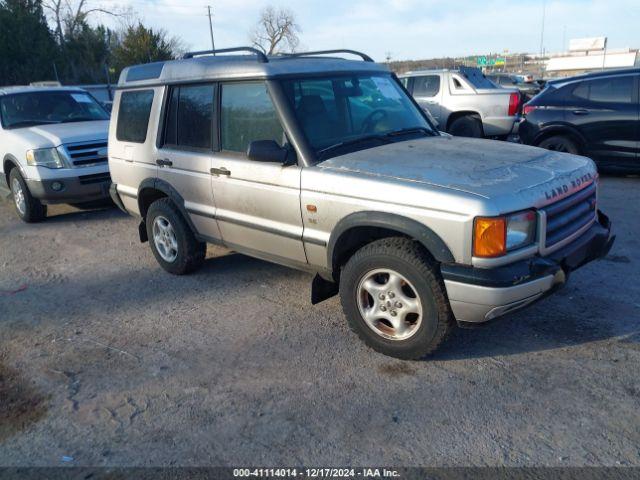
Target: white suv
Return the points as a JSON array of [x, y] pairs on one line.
[[53, 147]]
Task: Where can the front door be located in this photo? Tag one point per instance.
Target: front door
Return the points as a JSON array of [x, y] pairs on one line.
[[186, 152], [605, 111], [257, 203]]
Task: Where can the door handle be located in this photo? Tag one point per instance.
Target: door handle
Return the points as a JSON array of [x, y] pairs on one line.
[[164, 162], [580, 111], [220, 171]]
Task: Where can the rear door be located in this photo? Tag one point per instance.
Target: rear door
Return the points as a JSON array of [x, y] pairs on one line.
[[185, 153], [605, 111], [427, 90]]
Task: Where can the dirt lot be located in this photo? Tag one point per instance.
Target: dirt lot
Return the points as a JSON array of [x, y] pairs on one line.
[[107, 360]]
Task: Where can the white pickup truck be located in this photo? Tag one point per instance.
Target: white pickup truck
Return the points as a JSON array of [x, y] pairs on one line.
[[465, 103]]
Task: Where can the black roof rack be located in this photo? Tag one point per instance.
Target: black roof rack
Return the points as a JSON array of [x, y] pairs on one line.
[[364, 56], [262, 58]]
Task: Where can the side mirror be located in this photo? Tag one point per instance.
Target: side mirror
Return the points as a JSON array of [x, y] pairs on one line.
[[267, 151]]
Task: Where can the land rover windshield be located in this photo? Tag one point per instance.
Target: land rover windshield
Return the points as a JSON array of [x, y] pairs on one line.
[[49, 107], [341, 114]]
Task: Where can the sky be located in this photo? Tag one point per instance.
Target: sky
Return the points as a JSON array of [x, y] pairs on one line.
[[406, 29]]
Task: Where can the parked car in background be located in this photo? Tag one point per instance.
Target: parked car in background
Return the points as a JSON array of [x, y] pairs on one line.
[[505, 80], [464, 102], [596, 115], [327, 165], [53, 147]]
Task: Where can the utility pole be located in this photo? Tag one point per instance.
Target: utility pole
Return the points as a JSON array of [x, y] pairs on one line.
[[544, 7], [213, 45]]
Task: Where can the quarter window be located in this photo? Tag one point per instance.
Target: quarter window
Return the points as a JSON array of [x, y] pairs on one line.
[[190, 113], [606, 90], [247, 114], [428, 86], [133, 116]]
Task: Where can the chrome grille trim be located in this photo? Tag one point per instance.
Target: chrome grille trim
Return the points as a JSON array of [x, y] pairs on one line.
[[567, 219], [87, 154]]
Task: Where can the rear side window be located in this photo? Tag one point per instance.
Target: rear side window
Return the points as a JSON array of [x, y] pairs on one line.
[[606, 90], [427, 86], [190, 114], [133, 116], [248, 114]]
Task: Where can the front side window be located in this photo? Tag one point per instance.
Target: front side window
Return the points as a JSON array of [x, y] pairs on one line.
[[133, 116], [247, 114], [42, 108], [190, 113], [427, 86], [342, 113]]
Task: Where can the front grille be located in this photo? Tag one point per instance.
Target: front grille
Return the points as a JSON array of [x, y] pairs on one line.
[[566, 217], [87, 153], [95, 178]]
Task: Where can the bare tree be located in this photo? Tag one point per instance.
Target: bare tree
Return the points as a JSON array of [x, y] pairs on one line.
[[69, 16], [276, 31]]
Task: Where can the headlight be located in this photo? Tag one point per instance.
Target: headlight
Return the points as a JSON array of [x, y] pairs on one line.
[[496, 236], [45, 157]]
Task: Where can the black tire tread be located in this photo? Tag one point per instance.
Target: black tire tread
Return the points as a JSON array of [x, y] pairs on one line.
[[411, 252], [475, 123]]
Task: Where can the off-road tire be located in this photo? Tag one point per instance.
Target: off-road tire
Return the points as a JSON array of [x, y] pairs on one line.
[[190, 252], [34, 210], [410, 260], [466, 126], [560, 143]]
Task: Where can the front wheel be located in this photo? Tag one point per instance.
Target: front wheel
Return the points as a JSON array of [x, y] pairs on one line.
[[172, 241], [28, 208], [395, 300]]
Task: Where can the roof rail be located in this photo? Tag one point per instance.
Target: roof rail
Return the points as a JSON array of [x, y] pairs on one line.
[[364, 56], [262, 58]]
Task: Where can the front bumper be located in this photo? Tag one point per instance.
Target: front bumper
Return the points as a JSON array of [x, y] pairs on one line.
[[478, 295], [83, 188]]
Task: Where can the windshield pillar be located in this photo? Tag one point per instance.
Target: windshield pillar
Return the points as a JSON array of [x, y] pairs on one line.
[[306, 155]]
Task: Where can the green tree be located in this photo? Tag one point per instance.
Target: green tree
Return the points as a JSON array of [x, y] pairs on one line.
[[139, 44], [27, 47], [87, 54]]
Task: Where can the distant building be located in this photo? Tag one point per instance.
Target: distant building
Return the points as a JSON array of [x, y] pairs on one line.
[[588, 55]]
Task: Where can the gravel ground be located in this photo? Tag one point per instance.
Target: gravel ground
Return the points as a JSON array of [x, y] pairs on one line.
[[109, 361]]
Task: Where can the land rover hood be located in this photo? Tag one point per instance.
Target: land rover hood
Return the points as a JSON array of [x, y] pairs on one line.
[[483, 167]]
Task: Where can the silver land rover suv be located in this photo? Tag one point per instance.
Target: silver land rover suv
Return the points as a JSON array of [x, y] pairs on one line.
[[328, 165]]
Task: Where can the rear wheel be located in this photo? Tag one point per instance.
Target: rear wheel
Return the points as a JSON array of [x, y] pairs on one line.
[[172, 242], [394, 299], [560, 143], [28, 208], [466, 126]]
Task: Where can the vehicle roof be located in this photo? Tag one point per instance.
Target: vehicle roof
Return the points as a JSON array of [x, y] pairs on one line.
[[586, 76], [30, 89], [225, 67]]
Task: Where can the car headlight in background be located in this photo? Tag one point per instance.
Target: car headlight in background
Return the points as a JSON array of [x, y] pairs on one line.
[[496, 236], [45, 157]]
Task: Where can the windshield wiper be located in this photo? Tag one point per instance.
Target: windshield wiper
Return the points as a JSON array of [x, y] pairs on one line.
[[355, 141], [409, 131]]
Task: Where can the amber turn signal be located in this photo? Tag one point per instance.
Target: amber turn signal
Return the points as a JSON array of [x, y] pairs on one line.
[[489, 237]]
